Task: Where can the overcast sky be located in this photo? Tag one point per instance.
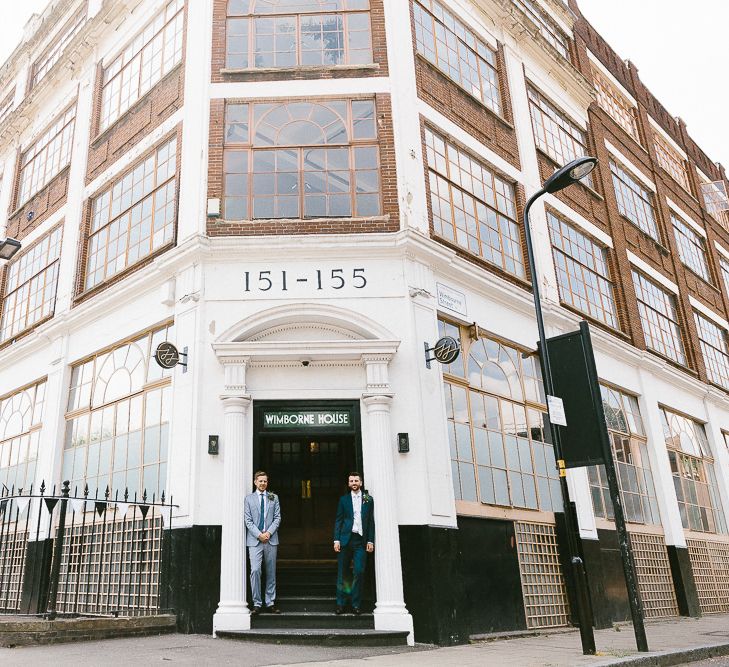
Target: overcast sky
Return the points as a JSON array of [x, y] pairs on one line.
[[680, 48]]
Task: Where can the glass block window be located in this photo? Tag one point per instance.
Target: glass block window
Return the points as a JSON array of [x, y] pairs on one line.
[[134, 216], [46, 156], [714, 348], [6, 105], [498, 434], [556, 134], [615, 104], [153, 52], [659, 318], [692, 467], [635, 202], [50, 57], [446, 42], [472, 206], [297, 33], [691, 248], [630, 453], [301, 160], [582, 272], [31, 284], [671, 160], [117, 423], [21, 418], [546, 26]]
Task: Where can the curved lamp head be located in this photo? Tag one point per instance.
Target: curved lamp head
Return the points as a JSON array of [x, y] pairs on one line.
[[8, 248], [569, 174]]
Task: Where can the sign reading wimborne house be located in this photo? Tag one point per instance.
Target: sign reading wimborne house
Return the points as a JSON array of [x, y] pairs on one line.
[[274, 420]]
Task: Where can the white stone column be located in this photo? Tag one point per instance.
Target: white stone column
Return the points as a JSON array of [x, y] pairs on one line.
[[235, 450], [390, 611]]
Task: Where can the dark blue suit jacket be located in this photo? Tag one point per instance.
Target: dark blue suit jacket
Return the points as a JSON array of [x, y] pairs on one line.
[[345, 519]]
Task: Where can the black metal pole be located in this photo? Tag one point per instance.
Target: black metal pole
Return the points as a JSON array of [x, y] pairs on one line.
[[58, 553], [572, 527], [626, 552]]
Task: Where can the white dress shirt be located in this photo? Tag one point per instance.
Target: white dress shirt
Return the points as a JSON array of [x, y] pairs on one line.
[[357, 509]]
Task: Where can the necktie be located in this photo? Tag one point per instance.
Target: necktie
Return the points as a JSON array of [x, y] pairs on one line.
[[261, 517]]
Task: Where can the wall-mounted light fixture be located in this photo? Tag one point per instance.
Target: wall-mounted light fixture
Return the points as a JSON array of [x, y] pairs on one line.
[[8, 248]]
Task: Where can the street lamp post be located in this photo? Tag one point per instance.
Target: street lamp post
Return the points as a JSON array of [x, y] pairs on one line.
[[562, 178]]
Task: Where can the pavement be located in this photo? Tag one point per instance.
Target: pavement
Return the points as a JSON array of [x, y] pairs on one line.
[[673, 642]]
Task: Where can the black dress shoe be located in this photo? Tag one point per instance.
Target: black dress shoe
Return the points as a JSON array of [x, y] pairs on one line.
[[339, 610], [255, 611], [356, 611], [272, 609]]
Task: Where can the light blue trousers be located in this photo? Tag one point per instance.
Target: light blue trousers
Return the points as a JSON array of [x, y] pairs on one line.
[[263, 552]]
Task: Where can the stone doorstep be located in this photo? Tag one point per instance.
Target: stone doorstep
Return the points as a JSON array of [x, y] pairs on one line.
[[31, 630]]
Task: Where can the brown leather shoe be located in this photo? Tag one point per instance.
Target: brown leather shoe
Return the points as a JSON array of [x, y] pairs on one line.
[[255, 611], [339, 610], [356, 611], [273, 609]]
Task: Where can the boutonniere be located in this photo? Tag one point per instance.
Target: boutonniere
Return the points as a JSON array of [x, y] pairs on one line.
[[270, 495], [366, 498]]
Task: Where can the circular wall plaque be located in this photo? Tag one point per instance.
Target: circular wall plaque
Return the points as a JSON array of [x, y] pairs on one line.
[[166, 355], [446, 350]]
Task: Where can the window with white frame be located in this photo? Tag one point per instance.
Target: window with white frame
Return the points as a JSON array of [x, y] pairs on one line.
[[46, 156], [556, 134], [30, 286], [472, 206], [52, 54], [614, 103], [155, 51], [630, 452], [691, 248], [301, 160], [118, 419], [583, 276], [134, 216], [21, 418], [692, 466], [635, 201], [297, 33], [454, 49], [671, 160], [547, 27], [714, 348], [724, 266], [659, 318], [497, 427]]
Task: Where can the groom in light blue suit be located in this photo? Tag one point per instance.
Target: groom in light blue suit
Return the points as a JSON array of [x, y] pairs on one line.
[[262, 516]]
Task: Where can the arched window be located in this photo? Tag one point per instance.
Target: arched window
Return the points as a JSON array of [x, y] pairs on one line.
[[297, 33], [301, 160]]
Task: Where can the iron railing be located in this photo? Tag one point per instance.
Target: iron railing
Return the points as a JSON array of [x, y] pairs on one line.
[[75, 554]]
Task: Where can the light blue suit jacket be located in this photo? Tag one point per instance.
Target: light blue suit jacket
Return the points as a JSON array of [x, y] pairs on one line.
[[251, 514]]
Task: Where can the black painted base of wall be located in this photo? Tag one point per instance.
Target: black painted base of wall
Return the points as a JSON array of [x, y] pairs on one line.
[[190, 578], [462, 582], [36, 581], [684, 584]]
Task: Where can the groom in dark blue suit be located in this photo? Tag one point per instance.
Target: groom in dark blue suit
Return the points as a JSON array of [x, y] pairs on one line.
[[354, 537]]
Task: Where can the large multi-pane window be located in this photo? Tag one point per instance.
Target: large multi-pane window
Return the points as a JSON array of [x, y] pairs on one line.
[[133, 216], [615, 104], [155, 51], [455, 50], [691, 247], [659, 318], [554, 133], [630, 452], [30, 288], [21, 417], [117, 420], [635, 202], [716, 200], [50, 57], [497, 426], [671, 160], [301, 160], [724, 266], [6, 105], [46, 156], [582, 271], [297, 33], [546, 26], [693, 473], [714, 347], [472, 206]]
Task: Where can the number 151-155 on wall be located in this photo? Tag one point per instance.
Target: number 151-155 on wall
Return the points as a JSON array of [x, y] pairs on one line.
[[319, 279]]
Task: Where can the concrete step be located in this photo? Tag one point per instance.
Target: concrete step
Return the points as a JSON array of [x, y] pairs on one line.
[[312, 603], [321, 637], [312, 621]]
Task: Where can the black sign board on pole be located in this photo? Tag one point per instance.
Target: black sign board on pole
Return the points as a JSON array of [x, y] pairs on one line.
[[585, 441]]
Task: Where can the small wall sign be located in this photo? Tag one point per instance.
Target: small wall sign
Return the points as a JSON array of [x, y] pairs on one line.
[[167, 356], [297, 419], [451, 299], [445, 350]]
